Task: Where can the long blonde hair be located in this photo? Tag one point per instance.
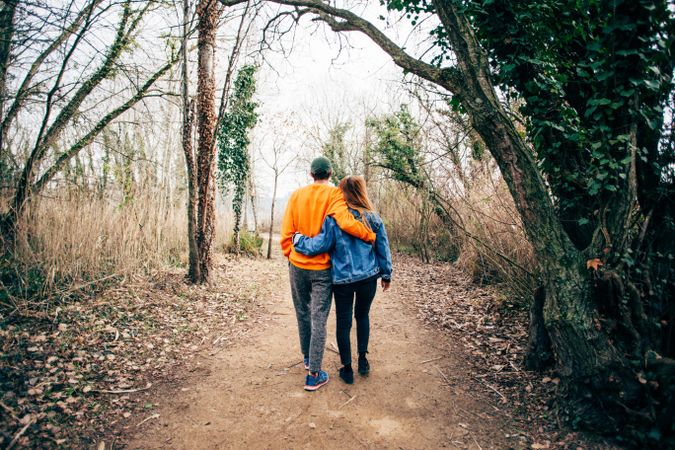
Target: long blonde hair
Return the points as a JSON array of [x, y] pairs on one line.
[[356, 195]]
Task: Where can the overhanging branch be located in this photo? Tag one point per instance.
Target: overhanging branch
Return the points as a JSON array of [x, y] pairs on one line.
[[342, 20]]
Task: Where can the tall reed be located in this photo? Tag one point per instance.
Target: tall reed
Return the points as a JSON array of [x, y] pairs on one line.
[[487, 241], [77, 237]]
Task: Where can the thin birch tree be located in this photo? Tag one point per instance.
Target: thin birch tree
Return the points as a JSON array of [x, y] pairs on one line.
[[278, 167]]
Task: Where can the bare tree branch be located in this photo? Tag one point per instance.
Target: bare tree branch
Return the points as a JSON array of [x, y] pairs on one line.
[[25, 86], [449, 77], [89, 137], [44, 142]]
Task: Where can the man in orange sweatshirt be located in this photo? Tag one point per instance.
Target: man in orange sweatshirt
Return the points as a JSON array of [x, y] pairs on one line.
[[311, 284]]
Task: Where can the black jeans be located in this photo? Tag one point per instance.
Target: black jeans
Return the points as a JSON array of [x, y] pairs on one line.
[[357, 297]]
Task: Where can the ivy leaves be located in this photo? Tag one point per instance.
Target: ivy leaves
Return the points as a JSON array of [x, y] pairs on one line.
[[587, 72], [335, 149], [233, 140], [397, 145]]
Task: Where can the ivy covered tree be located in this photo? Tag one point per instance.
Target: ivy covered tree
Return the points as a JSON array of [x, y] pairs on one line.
[[233, 141], [594, 79], [593, 99]]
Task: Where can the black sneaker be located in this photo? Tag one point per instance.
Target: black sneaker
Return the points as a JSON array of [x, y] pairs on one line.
[[364, 366], [347, 375]]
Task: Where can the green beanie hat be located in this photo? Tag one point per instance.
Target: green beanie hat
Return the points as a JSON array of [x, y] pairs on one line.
[[321, 166]]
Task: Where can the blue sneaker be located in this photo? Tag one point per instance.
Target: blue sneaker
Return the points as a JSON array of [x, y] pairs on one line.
[[306, 361], [314, 382]]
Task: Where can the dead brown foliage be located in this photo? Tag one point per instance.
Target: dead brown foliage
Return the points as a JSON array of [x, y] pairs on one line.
[[491, 331], [486, 239], [80, 241], [86, 369]]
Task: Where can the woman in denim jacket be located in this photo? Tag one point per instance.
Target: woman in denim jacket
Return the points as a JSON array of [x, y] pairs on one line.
[[356, 266]]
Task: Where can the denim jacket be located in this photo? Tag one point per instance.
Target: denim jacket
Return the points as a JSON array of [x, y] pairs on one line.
[[351, 258]]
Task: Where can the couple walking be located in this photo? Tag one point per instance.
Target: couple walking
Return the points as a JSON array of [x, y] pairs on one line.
[[335, 244]]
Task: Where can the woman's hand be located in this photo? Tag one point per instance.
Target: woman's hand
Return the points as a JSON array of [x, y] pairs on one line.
[[385, 285], [296, 237]]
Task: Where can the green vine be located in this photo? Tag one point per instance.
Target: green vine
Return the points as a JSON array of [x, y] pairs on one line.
[[397, 146], [233, 160]]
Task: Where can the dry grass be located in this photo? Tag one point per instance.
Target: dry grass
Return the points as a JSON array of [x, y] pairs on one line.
[[411, 225], [80, 238], [489, 243], [495, 248]]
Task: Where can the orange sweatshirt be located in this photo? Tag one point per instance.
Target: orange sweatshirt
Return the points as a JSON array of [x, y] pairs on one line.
[[306, 210]]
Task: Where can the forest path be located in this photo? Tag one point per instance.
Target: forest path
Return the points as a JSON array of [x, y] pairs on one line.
[[251, 395]]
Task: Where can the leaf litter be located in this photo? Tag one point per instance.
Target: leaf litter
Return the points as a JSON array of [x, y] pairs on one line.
[[84, 370], [491, 332]]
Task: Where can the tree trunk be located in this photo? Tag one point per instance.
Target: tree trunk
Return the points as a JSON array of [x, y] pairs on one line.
[[194, 272], [583, 353], [559, 258], [366, 158], [7, 14], [188, 119], [208, 12], [584, 356], [244, 220], [538, 354], [239, 203], [252, 198], [274, 198]]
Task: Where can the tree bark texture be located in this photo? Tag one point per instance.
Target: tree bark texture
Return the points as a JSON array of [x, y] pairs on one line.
[[244, 219], [538, 354], [7, 15], [208, 12], [193, 249], [188, 151], [252, 198]]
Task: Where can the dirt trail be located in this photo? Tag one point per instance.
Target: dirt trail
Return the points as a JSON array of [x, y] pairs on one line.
[[251, 394]]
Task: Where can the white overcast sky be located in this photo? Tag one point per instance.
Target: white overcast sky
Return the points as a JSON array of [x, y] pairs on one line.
[[315, 82]]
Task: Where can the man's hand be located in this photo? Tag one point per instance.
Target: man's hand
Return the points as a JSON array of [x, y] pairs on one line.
[[385, 285]]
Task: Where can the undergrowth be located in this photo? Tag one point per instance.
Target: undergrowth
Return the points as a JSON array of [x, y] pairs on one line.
[[78, 243], [250, 244]]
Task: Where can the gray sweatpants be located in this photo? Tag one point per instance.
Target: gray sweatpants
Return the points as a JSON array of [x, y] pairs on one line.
[[312, 291]]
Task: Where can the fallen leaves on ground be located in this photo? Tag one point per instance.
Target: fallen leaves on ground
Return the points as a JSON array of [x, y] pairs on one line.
[[77, 371], [492, 335]]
